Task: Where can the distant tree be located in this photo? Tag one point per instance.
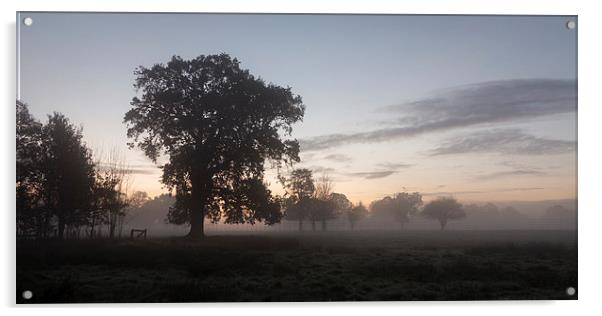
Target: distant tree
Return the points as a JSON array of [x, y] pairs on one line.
[[324, 186], [153, 211], [68, 173], [490, 210], [323, 208], [29, 175], [300, 184], [112, 177], [400, 207], [217, 124], [510, 211], [137, 199], [319, 210], [558, 216], [337, 204], [557, 211], [299, 210], [356, 213], [443, 209], [300, 191]]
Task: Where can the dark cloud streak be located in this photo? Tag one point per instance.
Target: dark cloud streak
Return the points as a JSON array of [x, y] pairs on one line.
[[504, 141], [504, 174], [488, 102], [338, 158], [480, 192]]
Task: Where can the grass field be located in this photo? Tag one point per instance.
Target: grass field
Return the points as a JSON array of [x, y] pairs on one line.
[[333, 266]]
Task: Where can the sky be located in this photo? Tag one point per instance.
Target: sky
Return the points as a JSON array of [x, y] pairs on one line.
[[482, 108]]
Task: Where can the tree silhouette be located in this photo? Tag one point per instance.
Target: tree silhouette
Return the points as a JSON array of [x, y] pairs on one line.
[[300, 184], [29, 175], [443, 209], [356, 214], [399, 207], [559, 216], [300, 190], [68, 173], [323, 207], [336, 204], [318, 210], [299, 210], [217, 124], [137, 199], [150, 212], [112, 181]]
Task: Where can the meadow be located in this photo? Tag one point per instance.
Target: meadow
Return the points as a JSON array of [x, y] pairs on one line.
[[325, 266]]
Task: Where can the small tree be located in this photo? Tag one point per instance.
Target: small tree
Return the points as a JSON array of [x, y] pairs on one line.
[[137, 199], [325, 203], [112, 182], [443, 209], [356, 214], [337, 205], [300, 189]]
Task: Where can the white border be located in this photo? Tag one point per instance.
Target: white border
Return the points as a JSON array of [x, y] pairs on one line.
[[590, 185]]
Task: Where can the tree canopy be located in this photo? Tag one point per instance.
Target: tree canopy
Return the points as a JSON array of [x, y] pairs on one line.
[[60, 189], [443, 209], [217, 124], [300, 188], [356, 213], [68, 172], [399, 207]]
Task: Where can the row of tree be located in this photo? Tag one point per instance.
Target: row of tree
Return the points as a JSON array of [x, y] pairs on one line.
[[63, 191], [60, 189], [217, 125], [313, 200]]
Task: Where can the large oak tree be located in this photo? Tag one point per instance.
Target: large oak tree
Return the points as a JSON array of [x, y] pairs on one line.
[[217, 124]]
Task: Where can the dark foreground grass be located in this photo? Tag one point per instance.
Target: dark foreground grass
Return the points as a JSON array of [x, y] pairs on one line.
[[314, 267]]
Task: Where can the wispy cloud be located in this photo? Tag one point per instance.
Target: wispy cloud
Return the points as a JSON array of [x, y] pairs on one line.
[[504, 174], [448, 193], [144, 171], [321, 169], [338, 158], [384, 170], [487, 102], [373, 174], [504, 141], [393, 165], [129, 169]]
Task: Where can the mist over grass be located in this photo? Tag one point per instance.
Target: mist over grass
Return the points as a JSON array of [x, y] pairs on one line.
[[333, 266]]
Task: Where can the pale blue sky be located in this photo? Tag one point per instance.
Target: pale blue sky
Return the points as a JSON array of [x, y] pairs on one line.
[[348, 69]]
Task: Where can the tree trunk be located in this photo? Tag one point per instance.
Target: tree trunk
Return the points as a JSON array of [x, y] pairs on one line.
[[313, 225], [197, 223], [92, 228], [199, 192], [443, 224], [323, 225], [352, 225], [61, 228], [112, 226], [300, 225]]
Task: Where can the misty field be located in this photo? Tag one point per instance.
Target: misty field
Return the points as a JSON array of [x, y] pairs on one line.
[[331, 266]]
